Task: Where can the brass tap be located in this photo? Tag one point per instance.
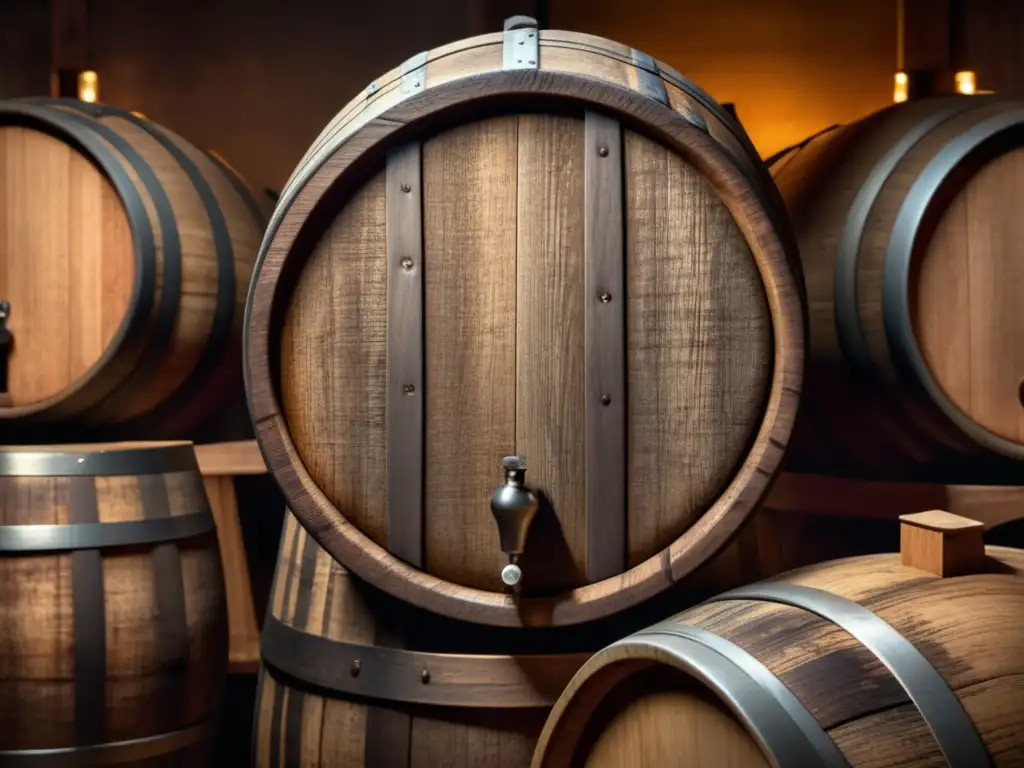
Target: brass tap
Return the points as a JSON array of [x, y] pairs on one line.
[[514, 507]]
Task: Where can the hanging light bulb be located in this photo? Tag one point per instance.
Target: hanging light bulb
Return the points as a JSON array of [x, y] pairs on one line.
[[900, 91], [966, 83], [88, 86]]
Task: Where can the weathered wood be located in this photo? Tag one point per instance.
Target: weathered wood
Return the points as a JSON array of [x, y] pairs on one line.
[[119, 648], [814, 694], [457, 710], [515, 223], [125, 255], [907, 230]]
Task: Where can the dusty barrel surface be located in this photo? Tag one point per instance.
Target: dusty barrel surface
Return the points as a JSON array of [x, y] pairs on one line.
[[114, 642], [334, 690], [125, 257], [857, 662], [533, 244], [908, 228]]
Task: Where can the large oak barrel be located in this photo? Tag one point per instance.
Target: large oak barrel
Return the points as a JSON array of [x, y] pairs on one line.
[[335, 691], [859, 663], [113, 623], [538, 244], [908, 223], [125, 257]]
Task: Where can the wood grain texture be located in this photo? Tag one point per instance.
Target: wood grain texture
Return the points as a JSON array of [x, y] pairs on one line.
[[699, 346], [501, 245], [957, 624], [314, 593], [945, 392], [469, 177], [99, 342], [163, 622]]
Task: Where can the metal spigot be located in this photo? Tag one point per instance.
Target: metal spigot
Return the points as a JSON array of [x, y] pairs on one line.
[[513, 506], [6, 342]]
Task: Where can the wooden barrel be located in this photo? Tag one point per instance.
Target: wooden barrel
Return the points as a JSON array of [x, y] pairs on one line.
[[908, 227], [860, 663], [125, 257], [333, 691], [532, 243], [113, 648]]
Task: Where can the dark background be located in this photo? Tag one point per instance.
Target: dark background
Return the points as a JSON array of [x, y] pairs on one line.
[[256, 80]]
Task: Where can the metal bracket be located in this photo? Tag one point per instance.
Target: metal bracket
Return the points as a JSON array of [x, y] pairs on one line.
[[414, 74], [651, 85], [521, 49]]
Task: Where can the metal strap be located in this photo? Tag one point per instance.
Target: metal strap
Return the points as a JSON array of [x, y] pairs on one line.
[[648, 77], [416, 677], [16, 539], [520, 47], [605, 347], [98, 463], [847, 317], [828, 753], [414, 75], [940, 708], [112, 753], [770, 724]]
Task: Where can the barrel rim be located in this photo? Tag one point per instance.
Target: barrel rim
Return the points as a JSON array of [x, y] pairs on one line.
[[99, 460], [904, 347], [719, 524], [131, 335], [780, 737]]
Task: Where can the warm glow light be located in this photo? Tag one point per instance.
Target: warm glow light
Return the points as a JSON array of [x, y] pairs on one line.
[[900, 92], [88, 86], [965, 83]]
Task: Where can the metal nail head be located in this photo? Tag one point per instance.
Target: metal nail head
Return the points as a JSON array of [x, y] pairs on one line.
[[406, 188], [603, 151], [409, 389], [406, 263], [606, 399], [605, 297], [357, 667], [425, 676]]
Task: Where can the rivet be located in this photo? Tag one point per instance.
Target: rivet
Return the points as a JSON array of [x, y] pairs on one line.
[[425, 676], [406, 188], [409, 389], [532, 62], [603, 151], [406, 263], [605, 297], [606, 399], [416, 84], [357, 667], [522, 42], [519, 61]]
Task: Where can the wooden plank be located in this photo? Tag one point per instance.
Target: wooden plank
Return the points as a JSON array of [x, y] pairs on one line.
[[243, 630], [809, 494], [469, 222], [549, 342], [605, 332], [405, 395], [239, 457]]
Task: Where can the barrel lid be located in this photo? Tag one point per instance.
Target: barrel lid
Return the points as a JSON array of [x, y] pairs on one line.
[[577, 281]]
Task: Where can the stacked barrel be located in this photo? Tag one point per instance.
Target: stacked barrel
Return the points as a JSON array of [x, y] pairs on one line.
[[524, 349], [125, 254]]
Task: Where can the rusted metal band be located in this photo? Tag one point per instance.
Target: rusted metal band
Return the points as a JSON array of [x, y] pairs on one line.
[[415, 677], [111, 753], [605, 347], [404, 410]]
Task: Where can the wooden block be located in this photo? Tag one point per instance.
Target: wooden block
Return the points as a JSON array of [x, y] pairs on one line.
[[941, 543], [243, 631], [241, 457]]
